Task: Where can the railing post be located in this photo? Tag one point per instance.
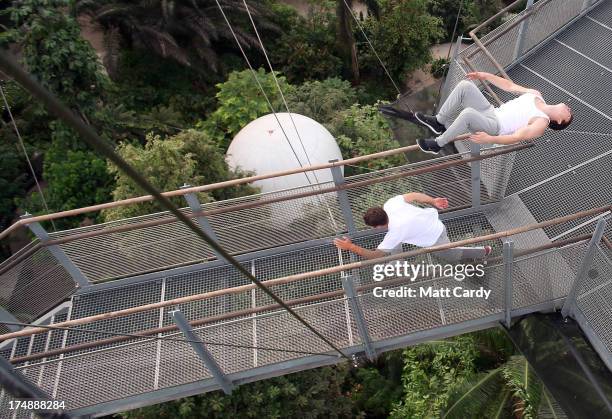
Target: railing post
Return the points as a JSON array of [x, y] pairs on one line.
[[345, 204], [59, 254], [445, 86], [199, 348], [195, 206], [520, 39], [570, 301], [508, 289], [475, 167], [349, 290]]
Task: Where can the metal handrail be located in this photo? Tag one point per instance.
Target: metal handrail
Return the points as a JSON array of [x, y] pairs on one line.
[[304, 194], [317, 273], [322, 297]]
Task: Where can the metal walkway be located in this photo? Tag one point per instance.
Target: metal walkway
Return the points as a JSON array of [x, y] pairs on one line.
[[560, 47]]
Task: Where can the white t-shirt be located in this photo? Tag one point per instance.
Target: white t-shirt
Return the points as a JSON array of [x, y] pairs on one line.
[[410, 224], [517, 113]]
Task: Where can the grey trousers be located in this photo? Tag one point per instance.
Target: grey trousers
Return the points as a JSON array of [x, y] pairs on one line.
[[466, 110], [458, 253]]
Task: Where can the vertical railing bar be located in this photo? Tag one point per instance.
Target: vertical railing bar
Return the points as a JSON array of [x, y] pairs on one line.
[[343, 199], [254, 316], [570, 301], [160, 324], [524, 28], [349, 290], [475, 169], [508, 253]]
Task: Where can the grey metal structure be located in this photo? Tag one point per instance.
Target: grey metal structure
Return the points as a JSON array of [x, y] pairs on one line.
[[245, 337]]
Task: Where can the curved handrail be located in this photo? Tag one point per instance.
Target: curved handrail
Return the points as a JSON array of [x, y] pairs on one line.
[[203, 188]]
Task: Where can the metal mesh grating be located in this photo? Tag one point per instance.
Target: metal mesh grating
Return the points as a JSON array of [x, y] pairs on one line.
[[35, 285]]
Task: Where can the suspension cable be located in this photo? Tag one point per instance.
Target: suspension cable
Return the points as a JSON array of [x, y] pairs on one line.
[[25, 153], [104, 148], [450, 47], [148, 338], [260, 87], [372, 47], [280, 90]]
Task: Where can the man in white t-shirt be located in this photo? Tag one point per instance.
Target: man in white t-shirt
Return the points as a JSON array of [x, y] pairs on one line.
[[407, 223]]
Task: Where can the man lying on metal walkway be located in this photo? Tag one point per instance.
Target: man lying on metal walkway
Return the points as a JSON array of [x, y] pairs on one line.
[[407, 223], [523, 118]]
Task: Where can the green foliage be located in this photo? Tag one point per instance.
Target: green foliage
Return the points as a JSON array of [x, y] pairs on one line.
[[320, 100], [362, 130], [402, 37], [307, 48], [316, 393], [240, 102], [12, 181], [430, 371], [146, 83], [438, 67], [188, 157], [472, 13], [55, 53], [192, 32]]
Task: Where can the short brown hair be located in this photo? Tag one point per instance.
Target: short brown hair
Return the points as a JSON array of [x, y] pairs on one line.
[[557, 126], [375, 217]]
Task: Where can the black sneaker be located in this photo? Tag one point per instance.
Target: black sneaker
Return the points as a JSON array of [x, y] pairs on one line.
[[429, 145], [430, 122]]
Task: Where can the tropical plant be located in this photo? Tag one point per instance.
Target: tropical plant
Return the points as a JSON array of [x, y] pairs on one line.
[[402, 38], [240, 101], [307, 48], [361, 130], [188, 31], [321, 100], [188, 157]]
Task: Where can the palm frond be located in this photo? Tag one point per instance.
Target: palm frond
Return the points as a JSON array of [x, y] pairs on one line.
[[473, 395], [525, 385]]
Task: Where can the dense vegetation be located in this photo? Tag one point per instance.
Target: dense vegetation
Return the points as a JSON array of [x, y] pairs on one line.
[[171, 89]]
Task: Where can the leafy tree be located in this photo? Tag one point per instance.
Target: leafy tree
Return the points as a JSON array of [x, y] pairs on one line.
[[240, 102], [309, 394], [189, 31], [188, 157], [307, 48], [472, 13], [402, 37], [55, 53], [362, 130], [320, 100]]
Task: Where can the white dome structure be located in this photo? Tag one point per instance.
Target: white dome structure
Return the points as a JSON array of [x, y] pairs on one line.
[[261, 147]]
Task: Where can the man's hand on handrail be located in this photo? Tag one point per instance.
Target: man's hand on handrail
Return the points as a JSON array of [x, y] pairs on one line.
[[502, 83]]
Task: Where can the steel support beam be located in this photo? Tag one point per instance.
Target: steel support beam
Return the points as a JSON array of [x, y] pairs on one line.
[[76, 274], [349, 290], [508, 261], [14, 382], [475, 171], [343, 199], [198, 346], [570, 302], [520, 40], [7, 316], [196, 207]]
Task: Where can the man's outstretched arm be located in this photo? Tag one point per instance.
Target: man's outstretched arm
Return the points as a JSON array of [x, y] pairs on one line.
[[440, 203], [502, 83], [528, 132], [346, 244]]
